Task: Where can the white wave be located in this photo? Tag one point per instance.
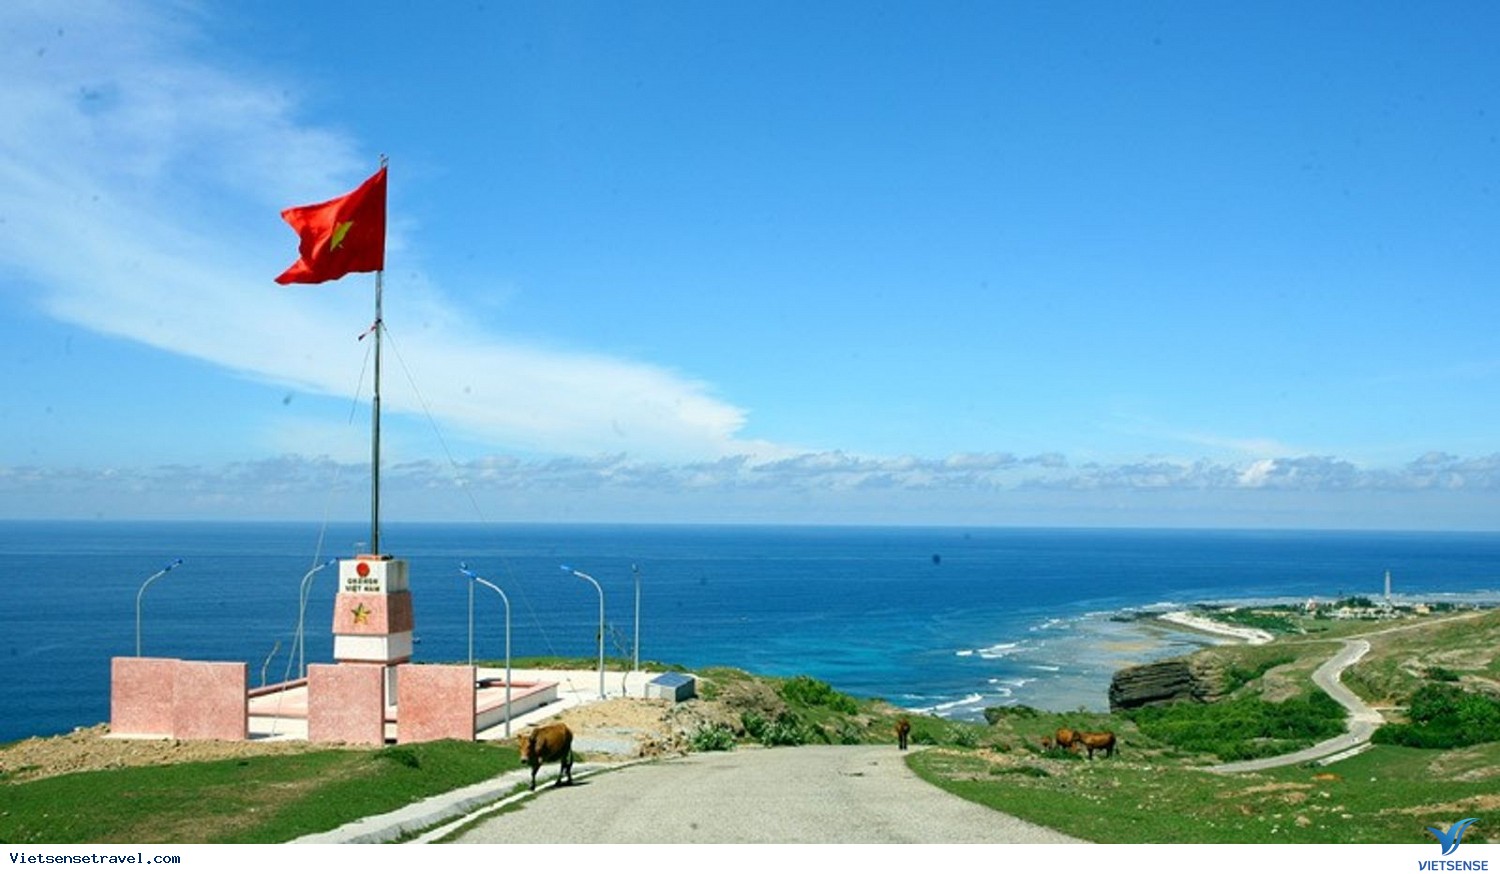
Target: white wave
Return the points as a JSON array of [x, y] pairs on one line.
[[1000, 650], [1053, 668], [964, 653], [966, 701]]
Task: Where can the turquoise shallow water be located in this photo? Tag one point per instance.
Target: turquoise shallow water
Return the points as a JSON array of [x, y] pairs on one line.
[[947, 619]]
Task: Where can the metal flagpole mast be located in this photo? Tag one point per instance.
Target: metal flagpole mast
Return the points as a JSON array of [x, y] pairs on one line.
[[375, 429], [375, 415]]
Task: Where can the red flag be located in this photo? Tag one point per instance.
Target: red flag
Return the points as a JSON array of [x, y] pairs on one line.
[[343, 235]]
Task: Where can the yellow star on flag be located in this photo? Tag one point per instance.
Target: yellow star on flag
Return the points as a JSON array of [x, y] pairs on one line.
[[361, 614], [339, 230]]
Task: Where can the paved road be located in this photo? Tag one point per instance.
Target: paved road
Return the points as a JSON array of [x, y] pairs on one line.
[[1363, 719], [782, 795]]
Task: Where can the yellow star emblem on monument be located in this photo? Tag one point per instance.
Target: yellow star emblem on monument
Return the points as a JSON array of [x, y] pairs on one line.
[[361, 614]]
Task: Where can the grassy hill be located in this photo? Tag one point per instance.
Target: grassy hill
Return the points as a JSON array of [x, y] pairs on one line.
[[1153, 790]]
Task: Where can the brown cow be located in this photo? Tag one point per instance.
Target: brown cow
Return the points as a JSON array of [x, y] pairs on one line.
[[903, 731], [1098, 740], [1066, 738], [549, 743]]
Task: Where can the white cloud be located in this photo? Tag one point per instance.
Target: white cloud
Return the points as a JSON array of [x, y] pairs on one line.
[[1258, 473], [139, 189], [1434, 490]]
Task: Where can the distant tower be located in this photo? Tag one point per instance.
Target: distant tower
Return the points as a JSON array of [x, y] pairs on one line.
[[1387, 587]]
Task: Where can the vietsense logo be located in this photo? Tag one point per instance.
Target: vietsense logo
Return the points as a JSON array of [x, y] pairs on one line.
[[1450, 840], [1453, 835]]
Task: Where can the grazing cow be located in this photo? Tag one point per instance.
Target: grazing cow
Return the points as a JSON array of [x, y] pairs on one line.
[[1098, 740], [549, 743], [903, 731], [1047, 743], [1066, 738]]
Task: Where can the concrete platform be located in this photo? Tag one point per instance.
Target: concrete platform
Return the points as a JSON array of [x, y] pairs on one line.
[[279, 712]]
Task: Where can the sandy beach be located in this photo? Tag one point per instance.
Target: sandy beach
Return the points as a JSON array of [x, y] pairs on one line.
[[1252, 636]]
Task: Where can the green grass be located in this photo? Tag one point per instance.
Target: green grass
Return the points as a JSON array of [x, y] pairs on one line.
[[263, 799], [1387, 795], [1398, 661]]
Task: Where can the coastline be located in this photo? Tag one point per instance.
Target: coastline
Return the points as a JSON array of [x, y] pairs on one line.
[[1231, 633]]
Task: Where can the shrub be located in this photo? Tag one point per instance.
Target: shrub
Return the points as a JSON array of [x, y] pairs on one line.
[[754, 722], [1236, 676], [1444, 717], [965, 737], [809, 692], [922, 734], [993, 715], [785, 731], [1272, 622], [711, 738], [1243, 728]]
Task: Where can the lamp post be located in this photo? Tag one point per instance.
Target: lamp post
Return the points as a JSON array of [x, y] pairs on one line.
[[475, 578], [149, 580], [583, 576], [302, 593], [636, 571]]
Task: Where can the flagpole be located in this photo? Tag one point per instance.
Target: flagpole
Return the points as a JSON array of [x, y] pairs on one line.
[[375, 427], [375, 414]]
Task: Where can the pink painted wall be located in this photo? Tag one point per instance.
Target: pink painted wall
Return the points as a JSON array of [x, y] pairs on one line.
[[140, 695], [437, 702], [210, 701], [346, 704]]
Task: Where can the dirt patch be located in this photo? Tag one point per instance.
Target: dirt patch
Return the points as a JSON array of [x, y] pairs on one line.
[[1474, 803], [1295, 788], [92, 749], [629, 728]]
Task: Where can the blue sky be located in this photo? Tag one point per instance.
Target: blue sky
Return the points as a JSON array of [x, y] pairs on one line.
[[843, 263]]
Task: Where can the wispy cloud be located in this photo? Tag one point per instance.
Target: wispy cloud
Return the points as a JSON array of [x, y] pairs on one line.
[[139, 189], [1145, 426]]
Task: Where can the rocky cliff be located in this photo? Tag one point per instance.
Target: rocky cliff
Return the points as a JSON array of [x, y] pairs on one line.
[[1164, 682]]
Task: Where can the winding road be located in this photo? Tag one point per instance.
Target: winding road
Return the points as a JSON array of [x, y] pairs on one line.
[[1363, 719]]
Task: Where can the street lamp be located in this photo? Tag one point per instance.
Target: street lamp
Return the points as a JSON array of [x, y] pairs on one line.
[[302, 593], [583, 576], [636, 571], [149, 580], [475, 578]]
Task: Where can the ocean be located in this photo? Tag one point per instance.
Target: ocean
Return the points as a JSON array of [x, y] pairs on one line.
[[949, 620]]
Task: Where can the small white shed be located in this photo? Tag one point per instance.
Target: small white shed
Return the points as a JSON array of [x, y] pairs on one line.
[[673, 687]]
